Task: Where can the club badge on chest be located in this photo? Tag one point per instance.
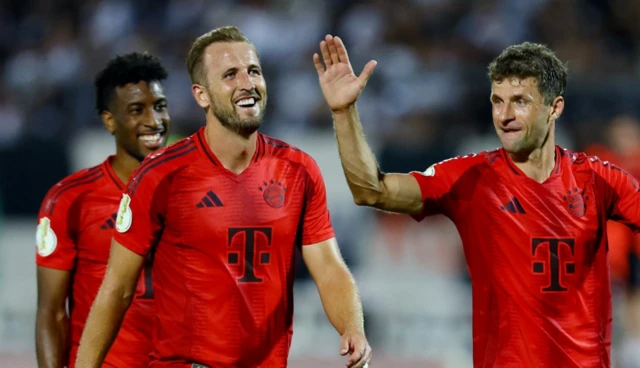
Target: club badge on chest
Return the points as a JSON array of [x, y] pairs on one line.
[[274, 193]]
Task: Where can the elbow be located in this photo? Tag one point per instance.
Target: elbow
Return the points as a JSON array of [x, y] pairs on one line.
[[368, 197]]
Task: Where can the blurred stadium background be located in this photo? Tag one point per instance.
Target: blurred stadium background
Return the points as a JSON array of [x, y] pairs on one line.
[[427, 101]]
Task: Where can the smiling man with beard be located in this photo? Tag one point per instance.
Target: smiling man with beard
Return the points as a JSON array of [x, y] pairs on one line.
[[224, 210]]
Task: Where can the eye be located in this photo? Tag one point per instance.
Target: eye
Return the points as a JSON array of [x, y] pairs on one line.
[[229, 75], [255, 72], [161, 106], [135, 111], [521, 102]]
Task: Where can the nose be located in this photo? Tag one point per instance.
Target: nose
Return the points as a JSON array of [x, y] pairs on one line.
[[245, 82], [153, 119], [506, 113]]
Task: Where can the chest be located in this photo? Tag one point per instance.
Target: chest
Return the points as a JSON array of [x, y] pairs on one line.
[[94, 223], [266, 204]]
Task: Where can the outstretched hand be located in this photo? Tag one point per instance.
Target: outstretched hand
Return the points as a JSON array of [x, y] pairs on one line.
[[340, 86]]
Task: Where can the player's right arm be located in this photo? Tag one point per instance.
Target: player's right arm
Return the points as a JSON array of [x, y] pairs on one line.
[[341, 88], [138, 227], [369, 185], [110, 305], [52, 322], [55, 258]]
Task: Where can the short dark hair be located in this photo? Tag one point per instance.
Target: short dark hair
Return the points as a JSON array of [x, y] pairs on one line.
[[194, 58], [122, 70], [532, 60]]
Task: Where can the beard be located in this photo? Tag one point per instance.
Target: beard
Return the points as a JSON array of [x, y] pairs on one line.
[[230, 119]]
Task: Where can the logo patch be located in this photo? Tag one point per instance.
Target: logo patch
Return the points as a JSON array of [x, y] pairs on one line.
[[123, 222], [273, 193], [431, 171], [46, 239], [576, 201]]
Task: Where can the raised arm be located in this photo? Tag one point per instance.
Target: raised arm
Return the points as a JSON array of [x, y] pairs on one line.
[[110, 306], [341, 88]]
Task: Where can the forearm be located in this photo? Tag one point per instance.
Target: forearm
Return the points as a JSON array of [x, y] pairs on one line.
[[51, 338], [341, 300], [358, 161], [101, 328]]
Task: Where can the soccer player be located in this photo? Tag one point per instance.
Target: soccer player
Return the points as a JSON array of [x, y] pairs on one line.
[[78, 214], [531, 215], [225, 210]]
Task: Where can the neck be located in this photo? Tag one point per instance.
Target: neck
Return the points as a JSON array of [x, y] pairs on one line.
[[124, 164], [539, 163], [232, 149]]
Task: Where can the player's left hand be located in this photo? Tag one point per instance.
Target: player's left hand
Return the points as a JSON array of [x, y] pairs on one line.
[[357, 346]]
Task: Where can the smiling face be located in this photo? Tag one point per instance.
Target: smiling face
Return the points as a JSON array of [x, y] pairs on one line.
[[520, 116], [236, 91], [139, 118]]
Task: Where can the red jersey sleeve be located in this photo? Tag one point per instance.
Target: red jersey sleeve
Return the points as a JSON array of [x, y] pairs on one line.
[[316, 220], [438, 184], [141, 212], [55, 243], [621, 193]]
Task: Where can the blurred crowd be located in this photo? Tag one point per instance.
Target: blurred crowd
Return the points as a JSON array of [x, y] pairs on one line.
[[427, 101]]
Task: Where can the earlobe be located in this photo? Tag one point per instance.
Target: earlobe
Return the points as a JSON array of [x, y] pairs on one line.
[[201, 96], [109, 122]]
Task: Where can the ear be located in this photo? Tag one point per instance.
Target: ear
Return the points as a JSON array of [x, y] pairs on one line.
[[557, 107], [109, 121], [200, 94]]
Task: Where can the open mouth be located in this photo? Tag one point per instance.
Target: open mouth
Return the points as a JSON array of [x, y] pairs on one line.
[[247, 102], [151, 140]]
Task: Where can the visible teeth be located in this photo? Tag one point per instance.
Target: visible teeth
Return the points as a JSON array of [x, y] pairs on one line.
[[151, 138], [246, 102]]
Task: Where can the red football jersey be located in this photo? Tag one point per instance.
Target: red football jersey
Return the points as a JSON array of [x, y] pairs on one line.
[[224, 248], [74, 233], [537, 253]]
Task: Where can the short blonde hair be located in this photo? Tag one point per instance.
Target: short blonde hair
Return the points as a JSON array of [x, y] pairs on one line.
[[194, 59]]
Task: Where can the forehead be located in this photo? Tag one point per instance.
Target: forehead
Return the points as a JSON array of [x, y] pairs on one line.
[[224, 55], [515, 86], [140, 91]]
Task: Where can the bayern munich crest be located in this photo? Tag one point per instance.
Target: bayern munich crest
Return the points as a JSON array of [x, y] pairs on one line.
[[576, 201], [273, 193]]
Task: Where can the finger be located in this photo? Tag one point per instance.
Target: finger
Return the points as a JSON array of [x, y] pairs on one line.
[[356, 360], [333, 51], [318, 64], [326, 57], [356, 356], [342, 50], [364, 359], [344, 346], [367, 71]]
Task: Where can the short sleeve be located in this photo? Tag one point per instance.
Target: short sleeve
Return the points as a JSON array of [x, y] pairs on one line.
[[316, 219], [140, 217], [55, 245], [622, 193], [438, 184]]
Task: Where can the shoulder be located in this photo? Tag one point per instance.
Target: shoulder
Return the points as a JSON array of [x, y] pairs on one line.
[[282, 150], [463, 162], [71, 188], [165, 162], [581, 161]]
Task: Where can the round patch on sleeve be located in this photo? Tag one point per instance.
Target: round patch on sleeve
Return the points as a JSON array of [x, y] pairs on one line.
[[431, 171], [123, 222], [46, 239]]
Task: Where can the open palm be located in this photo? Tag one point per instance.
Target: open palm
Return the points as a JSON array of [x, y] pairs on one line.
[[340, 86]]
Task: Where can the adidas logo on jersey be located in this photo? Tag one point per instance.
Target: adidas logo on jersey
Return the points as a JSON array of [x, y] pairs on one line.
[[513, 206], [110, 223], [209, 200]]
